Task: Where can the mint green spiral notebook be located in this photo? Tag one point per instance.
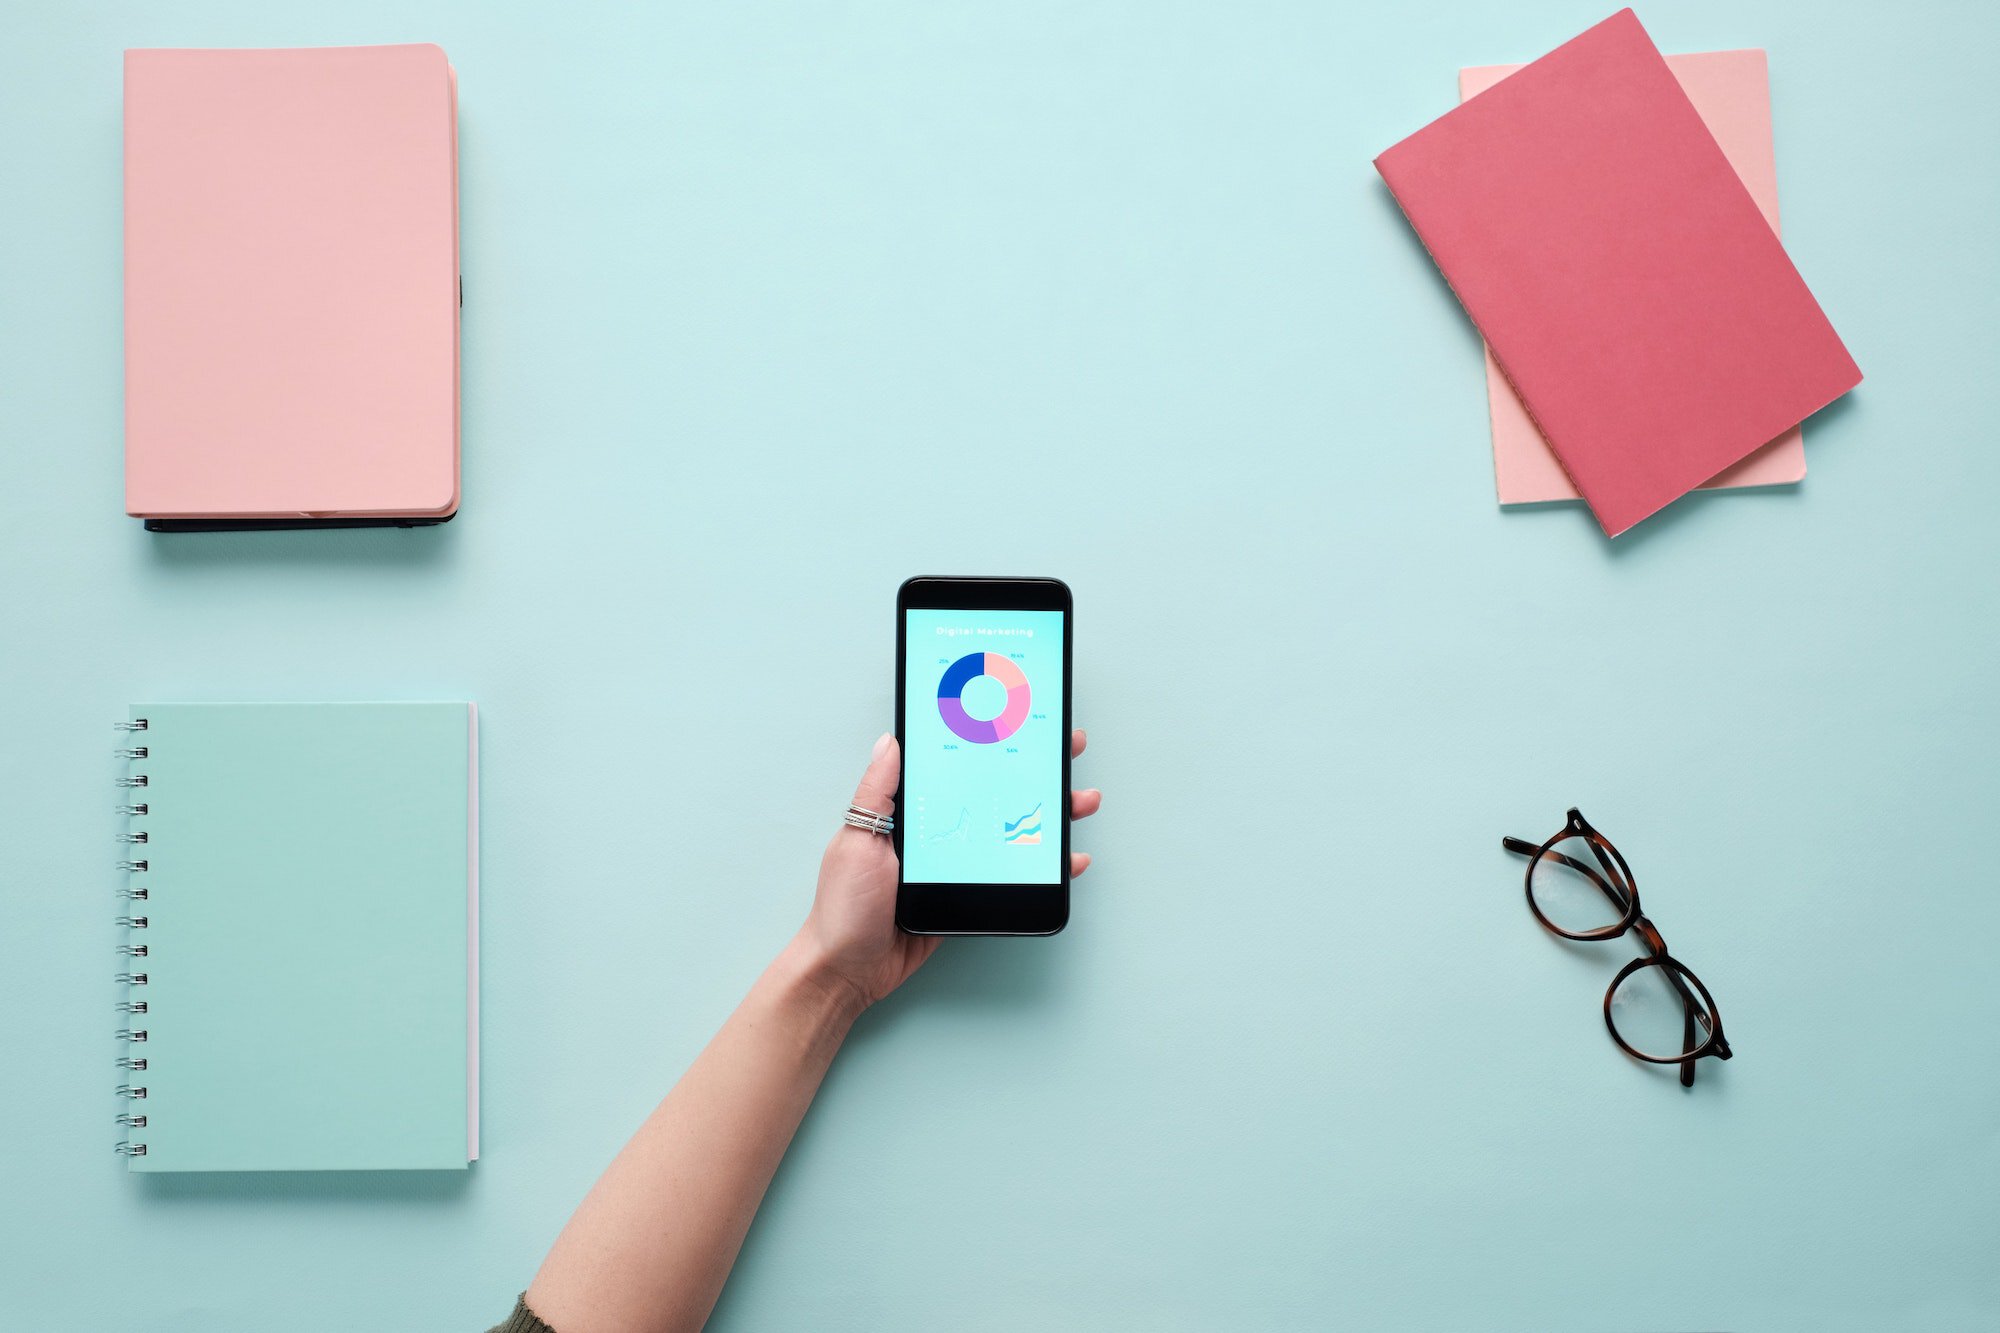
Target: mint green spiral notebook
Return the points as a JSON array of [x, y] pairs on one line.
[[300, 944]]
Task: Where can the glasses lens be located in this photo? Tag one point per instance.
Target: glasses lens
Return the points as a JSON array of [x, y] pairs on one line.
[[1659, 1013], [1576, 887]]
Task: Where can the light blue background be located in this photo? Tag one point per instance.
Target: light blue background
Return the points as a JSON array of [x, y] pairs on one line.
[[737, 279], [993, 784]]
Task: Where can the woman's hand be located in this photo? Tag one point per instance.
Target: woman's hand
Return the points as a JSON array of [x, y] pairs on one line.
[[851, 932], [651, 1245]]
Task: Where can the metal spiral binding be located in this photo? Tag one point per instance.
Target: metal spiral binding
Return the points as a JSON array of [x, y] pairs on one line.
[[131, 1036]]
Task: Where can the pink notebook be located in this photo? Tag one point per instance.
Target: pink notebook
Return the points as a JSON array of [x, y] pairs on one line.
[[291, 286], [1621, 274], [1732, 91]]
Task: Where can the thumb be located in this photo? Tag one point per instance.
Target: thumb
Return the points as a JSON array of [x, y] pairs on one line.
[[877, 789]]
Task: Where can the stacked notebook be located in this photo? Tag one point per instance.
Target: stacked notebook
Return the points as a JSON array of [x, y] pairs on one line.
[[1731, 91], [1641, 316], [291, 287], [301, 941]]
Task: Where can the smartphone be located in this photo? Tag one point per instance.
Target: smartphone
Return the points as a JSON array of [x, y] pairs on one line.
[[982, 715]]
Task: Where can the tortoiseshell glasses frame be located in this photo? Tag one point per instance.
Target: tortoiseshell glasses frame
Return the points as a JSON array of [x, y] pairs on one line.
[[1702, 1031]]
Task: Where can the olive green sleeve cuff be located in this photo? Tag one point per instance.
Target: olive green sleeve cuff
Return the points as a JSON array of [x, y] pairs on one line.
[[523, 1320]]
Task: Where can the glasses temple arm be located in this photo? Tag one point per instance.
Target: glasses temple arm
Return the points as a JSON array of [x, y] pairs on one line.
[[1687, 1033], [1520, 847], [1692, 1013]]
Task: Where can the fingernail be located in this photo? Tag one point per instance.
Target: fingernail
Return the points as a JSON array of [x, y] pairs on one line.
[[881, 746]]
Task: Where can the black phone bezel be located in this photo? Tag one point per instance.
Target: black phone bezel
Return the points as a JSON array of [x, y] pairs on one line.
[[926, 908]]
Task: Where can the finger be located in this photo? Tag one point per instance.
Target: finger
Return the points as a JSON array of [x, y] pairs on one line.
[[877, 789], [1083, 804], [1077, 740], [1078, 863]]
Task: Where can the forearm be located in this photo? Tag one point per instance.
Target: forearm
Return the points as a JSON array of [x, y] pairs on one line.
[[651, 1245]]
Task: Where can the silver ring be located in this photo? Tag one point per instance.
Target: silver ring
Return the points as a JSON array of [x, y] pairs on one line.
[[868, 821]]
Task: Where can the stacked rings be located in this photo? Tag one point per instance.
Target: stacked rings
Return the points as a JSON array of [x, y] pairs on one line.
[[868, 821]]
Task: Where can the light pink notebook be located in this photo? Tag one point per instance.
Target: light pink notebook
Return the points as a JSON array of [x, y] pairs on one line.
[[291, 285], [1732, 92]]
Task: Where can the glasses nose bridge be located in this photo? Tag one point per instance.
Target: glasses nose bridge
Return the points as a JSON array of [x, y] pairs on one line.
[[1650, 933]]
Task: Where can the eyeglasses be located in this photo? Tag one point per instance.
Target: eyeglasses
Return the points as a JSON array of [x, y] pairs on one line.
[[1580, 888]]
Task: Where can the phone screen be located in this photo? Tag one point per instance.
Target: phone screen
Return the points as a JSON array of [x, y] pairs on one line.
[[982, 747]]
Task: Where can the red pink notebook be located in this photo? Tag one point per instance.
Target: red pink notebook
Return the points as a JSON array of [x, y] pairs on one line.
[[1624, 279], [291, 287], [1732, 91]]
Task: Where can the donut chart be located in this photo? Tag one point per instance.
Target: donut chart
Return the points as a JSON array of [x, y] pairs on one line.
[[951, 706]]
